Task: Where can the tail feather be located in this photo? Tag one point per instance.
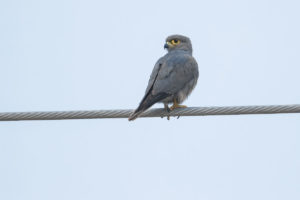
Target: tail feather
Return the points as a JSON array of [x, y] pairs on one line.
[[146, 103]]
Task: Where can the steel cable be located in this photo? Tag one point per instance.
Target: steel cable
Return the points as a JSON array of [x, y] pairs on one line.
[[156, 112]]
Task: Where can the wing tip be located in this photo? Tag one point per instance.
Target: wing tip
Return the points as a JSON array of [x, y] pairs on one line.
[[134, 115]]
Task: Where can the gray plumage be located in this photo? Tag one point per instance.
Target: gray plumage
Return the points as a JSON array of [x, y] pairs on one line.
[[173, 78]]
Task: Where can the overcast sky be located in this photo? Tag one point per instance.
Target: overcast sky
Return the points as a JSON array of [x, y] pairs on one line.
[[85, 55]]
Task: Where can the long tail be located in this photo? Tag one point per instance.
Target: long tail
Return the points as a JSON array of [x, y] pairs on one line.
[[146, 103]]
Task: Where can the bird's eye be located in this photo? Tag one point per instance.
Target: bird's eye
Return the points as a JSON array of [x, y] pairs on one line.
[[175, 42]]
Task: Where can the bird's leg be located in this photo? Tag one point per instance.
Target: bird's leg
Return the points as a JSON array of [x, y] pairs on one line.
[[167, 109], [176, 105]]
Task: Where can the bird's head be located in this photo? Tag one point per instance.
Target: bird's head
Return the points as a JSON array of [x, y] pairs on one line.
[[176, 42]]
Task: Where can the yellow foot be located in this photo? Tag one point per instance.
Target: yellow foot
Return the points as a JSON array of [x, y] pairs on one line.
[[175, 105]]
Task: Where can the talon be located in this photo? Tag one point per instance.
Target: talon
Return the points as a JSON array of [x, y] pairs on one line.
[[167, 109]]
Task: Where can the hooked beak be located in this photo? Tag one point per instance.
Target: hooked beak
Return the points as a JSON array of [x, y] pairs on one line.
[[168, 45]]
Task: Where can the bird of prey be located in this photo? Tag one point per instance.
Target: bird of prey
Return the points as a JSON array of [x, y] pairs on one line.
[[173, 78]]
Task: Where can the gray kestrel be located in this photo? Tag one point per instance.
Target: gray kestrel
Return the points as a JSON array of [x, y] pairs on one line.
[[173, 78]]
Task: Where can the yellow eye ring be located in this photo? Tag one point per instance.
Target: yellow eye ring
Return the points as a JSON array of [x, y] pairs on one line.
[[175, 42]]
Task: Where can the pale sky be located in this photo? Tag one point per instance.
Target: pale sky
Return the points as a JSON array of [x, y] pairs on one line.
[[88, 55]]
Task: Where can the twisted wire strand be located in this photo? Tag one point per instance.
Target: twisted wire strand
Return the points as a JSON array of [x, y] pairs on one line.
[[156, 112]]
